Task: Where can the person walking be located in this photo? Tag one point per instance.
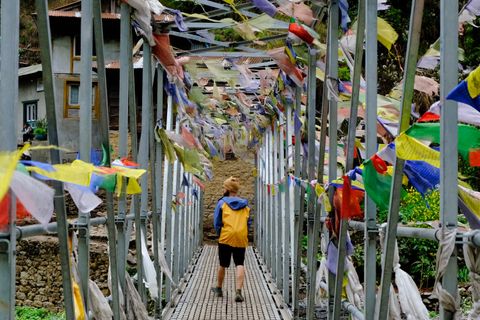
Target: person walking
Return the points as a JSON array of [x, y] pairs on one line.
[[231, 222]]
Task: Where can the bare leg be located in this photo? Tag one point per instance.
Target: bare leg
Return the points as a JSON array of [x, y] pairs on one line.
[[221, 276], [240, 277]]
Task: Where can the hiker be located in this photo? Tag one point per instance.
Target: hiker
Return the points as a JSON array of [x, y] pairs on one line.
[[231, 221]]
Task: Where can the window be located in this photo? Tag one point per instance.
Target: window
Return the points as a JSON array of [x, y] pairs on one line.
[[30, 111], [72, 100], [39, 84], [74, 91], [77, 47]]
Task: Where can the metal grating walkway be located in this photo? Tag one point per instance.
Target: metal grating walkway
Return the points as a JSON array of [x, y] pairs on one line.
[[198, 302]]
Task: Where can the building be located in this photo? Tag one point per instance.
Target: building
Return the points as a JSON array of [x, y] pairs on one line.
[[65, 33]]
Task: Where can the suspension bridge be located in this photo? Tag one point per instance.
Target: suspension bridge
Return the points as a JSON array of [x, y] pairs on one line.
[[277, 109]]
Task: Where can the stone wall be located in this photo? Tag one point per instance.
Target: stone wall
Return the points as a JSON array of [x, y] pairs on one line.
[[39, 277], [214, 189]]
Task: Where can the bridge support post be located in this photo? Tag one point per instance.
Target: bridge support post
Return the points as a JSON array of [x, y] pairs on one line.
[[393, 212], [299, 205], [449, 138], [157, 193], [371, 147], [312, 227], [167, 203], [10, 15], [59, 202]]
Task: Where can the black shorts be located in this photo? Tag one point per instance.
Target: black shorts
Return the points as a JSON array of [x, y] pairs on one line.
[[225, 253]]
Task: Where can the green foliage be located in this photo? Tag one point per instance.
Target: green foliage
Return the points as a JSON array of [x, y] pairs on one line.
[[466, 304], [470, 175], [304, 243], [41, 127], [29, 313], [463, 275], [419, 256], [344, 73], [469, 42], [227, 34], [415, 208]]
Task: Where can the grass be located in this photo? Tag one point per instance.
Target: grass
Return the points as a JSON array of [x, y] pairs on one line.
[[30, 313]]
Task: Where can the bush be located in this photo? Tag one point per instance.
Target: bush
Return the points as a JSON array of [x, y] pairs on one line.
[[29, 313]]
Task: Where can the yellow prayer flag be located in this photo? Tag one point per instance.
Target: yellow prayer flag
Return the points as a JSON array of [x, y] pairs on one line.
[[473, 83], [78, 302], [8, 164], [326, 203], [471, 199], [386, 34], [77, 172], [409, 148], [319, 189]]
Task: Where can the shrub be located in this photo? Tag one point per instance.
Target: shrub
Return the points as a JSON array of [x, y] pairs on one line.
[[29, 313]]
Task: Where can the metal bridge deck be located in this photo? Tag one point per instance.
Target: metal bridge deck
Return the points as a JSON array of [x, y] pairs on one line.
[[198, 302]]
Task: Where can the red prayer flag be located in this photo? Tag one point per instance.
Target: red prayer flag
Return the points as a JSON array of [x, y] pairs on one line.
[[429, 117], [347, 200], [474, 157], [21, 212]]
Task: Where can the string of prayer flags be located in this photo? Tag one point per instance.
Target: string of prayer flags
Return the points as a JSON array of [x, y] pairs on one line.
[[468, 91]]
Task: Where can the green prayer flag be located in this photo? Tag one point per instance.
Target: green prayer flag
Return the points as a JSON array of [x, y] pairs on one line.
[[468, 136], [377, 185], [109, 182]]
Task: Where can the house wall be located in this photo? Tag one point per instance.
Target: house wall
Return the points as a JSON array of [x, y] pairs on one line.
[[69, 129], [61, 54], [27, 91]]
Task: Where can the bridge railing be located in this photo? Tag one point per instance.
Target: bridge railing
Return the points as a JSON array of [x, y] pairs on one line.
[[173, 217], [290, 182]]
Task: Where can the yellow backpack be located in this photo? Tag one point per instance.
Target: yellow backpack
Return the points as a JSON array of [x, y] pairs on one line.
[[235, 227]]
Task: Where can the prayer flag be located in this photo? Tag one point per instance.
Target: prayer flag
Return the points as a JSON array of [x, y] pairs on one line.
[[345, 19], [377, 185], [468, 91], [265, 6]]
